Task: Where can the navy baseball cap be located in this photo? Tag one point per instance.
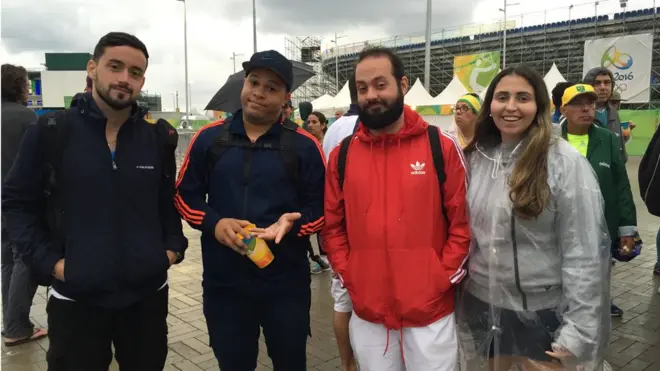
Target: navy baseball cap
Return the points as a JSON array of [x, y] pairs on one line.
[[273, 61]]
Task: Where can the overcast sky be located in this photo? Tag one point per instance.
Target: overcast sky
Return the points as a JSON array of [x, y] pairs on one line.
[[216, 28]]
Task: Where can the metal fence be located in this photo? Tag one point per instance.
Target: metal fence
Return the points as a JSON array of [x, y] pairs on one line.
[[184, 141]]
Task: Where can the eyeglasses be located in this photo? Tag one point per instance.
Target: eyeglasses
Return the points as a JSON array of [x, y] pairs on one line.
[[461, 109]]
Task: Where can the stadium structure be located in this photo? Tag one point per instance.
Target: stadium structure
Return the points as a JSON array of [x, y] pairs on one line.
[[538, 46]]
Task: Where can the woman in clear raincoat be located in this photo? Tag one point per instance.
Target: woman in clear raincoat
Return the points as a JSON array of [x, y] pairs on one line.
[[537, 295]]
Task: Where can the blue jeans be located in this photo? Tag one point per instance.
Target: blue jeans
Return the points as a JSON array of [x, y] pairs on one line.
[[18, 289]]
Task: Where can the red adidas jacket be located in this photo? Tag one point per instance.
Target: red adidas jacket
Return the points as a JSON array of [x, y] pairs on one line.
[[385, 234]]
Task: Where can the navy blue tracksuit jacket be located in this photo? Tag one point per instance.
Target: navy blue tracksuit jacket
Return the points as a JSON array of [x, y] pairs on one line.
[[118, 214], [268, 194]]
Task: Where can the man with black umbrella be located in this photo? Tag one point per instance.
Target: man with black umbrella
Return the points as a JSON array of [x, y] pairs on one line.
[[257, 168]]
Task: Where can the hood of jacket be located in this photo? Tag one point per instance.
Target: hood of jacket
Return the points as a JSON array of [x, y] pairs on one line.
[[590, 76], [85, 101]]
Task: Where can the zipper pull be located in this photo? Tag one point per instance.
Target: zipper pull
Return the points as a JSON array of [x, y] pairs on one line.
[[114, 165]]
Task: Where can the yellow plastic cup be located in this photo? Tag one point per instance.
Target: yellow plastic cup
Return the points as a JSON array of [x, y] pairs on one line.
[[258, 251]]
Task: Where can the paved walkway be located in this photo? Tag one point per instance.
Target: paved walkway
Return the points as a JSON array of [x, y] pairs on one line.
[[635, 338]]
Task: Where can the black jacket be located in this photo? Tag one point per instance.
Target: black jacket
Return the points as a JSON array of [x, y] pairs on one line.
[[649, 175], [119, 217], [15, 120]]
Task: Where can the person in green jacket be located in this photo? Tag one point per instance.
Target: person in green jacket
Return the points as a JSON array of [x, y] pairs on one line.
[[602, 148]]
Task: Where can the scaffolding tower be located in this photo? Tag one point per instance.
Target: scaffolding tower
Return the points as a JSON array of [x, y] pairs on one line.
[[307, 49]]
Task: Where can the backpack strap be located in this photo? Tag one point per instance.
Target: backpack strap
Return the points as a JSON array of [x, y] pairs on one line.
[[356, 127], [438, 161], [341, 159], [436, 153], [54, 134], [218, 146], [285, 147], [288, 151]]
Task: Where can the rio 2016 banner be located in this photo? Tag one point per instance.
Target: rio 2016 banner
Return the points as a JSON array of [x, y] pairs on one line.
[[476, 71], [629, 59]]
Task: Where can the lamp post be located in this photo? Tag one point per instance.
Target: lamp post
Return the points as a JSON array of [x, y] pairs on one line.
[[254, 24], [568, 55], [337, 59], [427, 49], [185, 51], [233, 58], [506, 4]]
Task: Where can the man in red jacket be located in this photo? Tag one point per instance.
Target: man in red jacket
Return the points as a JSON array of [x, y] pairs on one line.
[[397, 238]]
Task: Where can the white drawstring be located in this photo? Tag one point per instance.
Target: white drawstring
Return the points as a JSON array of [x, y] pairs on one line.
[[496, 165], [497, 161]]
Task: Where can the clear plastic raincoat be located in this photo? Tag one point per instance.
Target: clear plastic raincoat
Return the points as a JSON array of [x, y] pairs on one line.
[[535, 285]]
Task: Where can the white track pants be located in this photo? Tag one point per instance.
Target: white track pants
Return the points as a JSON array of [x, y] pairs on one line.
[[430, 348]]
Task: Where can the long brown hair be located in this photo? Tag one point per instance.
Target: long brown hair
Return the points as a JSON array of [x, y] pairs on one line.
[[529, 191]]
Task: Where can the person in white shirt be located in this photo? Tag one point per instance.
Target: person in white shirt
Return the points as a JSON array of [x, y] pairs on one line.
[[340, 129], [343, 126]]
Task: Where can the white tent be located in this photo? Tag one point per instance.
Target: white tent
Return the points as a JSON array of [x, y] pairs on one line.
[[418, 96], [342, 99], [323, 102], [552, 78], [452, 92]]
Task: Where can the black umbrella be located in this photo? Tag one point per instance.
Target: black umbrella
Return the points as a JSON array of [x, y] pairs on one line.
[[228, 98]]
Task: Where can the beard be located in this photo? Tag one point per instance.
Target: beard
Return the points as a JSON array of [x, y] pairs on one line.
[[123, 102], [382, 119]]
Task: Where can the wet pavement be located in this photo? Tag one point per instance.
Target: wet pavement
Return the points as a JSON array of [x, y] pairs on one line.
[[635, 342]]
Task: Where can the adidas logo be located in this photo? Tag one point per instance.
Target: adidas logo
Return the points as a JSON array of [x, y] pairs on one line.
[[418, 169]]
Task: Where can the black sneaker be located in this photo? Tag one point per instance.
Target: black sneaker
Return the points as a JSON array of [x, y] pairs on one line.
[[324, 266], [616, 311]]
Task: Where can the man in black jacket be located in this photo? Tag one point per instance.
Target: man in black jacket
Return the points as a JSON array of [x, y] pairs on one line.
[[18, 286], [115, 231], [649, 185], [649, 175]]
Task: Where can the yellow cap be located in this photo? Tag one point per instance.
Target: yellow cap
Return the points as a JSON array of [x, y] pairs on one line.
[[575, 90]]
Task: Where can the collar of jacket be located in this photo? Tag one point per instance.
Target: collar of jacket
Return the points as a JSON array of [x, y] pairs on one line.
[[85, 103], [236, 125]]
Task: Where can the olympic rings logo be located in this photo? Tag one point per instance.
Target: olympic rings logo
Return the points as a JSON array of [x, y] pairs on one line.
[[613, 57]]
